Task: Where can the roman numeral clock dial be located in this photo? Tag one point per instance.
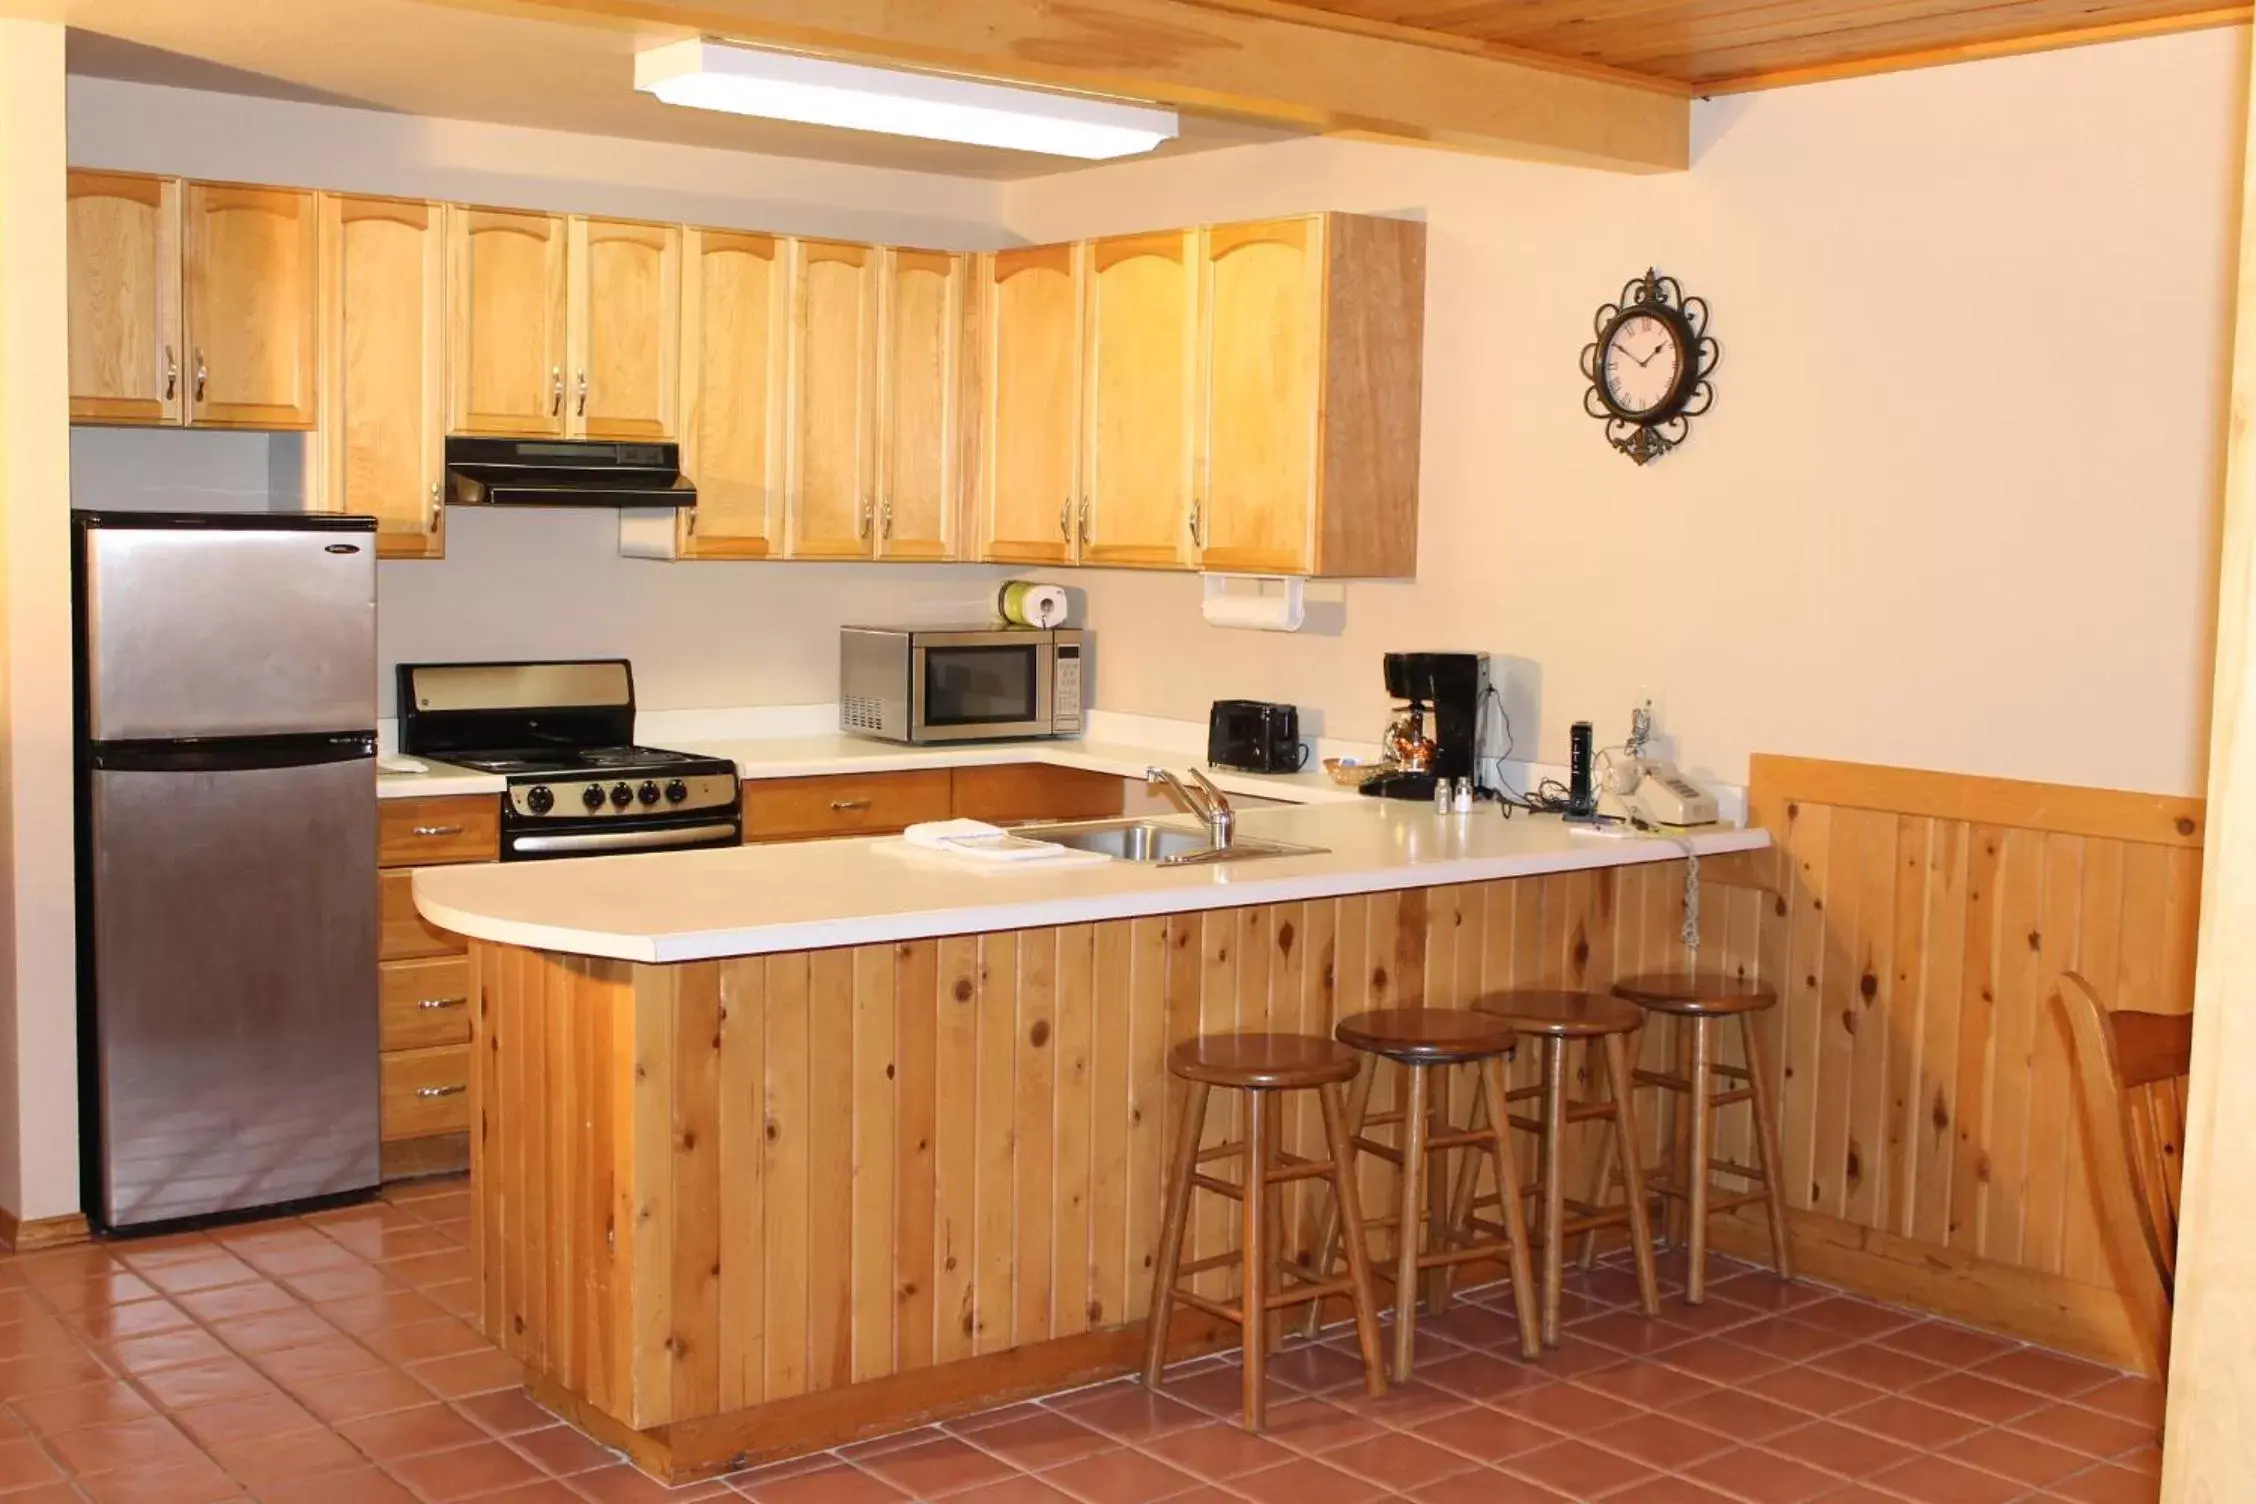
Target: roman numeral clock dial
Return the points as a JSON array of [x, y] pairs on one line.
[[1648, 368]]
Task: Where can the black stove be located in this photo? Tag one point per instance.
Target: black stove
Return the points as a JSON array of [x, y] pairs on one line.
[[562, 734]]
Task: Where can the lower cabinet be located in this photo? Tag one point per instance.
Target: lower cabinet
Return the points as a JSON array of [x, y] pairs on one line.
[[423, 985]]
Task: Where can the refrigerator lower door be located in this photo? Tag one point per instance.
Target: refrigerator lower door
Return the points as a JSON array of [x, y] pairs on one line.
[[232, 938]]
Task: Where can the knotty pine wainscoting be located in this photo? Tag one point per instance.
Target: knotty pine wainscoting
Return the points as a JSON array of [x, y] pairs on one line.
[[1933, 1144]]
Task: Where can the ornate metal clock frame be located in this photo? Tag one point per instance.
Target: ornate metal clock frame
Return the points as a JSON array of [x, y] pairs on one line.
[[1646, 436]]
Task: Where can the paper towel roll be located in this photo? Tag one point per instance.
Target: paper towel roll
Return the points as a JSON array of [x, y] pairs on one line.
[[1030, 603]]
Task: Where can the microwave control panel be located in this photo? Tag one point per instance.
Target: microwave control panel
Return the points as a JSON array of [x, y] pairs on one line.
[[1066, 704]]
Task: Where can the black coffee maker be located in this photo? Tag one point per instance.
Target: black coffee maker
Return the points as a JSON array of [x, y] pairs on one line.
[[1435, 731]]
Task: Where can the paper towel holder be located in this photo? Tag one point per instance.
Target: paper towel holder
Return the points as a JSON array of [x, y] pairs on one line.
[[1258, 609]]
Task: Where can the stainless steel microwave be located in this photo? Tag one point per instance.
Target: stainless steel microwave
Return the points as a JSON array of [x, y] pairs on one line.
[[918, 684]]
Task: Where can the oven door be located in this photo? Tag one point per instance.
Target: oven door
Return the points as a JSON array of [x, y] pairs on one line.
[[545, 840], [972, 686]]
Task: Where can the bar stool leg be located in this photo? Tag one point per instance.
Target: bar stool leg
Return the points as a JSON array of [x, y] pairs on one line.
[[1406, 1226], [1273, 1196], [1766, 1145], [1348, 1208], [1171, 1232], [1624, 1141], [1253, 1249], [1441, 1280], [1524, 1295], [1703, 1126], [1602, 1171], [1554, 1186], [1328, 1232], [1679, 1129]]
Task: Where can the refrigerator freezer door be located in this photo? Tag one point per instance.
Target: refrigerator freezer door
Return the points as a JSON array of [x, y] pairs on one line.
[[234, 972], [228, 631]]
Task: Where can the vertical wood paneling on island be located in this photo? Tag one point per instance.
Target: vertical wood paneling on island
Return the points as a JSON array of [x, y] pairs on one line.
[[1920, 922]]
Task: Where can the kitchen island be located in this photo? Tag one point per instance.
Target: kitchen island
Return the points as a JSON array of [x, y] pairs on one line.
[[776, 1147]]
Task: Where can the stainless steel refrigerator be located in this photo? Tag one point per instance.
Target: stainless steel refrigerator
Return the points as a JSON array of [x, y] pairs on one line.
[[226, 699]]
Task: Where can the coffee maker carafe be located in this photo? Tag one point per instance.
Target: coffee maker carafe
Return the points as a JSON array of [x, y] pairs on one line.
[[1435, 731]]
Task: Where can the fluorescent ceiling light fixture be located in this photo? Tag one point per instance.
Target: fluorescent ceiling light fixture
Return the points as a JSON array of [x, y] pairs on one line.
[[705, 75]]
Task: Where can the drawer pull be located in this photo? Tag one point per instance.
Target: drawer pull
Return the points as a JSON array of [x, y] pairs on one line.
[[438, 830], [842, 806], [441, 1091], [443, 1002]]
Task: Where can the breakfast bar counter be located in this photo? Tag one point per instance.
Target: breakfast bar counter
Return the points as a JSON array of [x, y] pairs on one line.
[[777, 1147]]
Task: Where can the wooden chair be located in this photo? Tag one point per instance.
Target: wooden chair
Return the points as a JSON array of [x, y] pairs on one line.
[[2131, 1076]]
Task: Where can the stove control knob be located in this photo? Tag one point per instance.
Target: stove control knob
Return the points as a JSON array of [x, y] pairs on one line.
[[592, 796], [648, 793], [676, 792], [621, 795], [540, 799]]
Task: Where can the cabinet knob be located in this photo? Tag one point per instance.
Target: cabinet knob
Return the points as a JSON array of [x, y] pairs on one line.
[[583, 394], [443, 1002], [438, 830], [442, 1091], [555, 390], [172, 374], [845, 806], [202, 374]]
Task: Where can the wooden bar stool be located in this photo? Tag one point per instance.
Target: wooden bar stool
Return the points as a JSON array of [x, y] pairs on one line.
[[1557, 1019], [1422, 1041], [1262, 1065], [1699, 1002]]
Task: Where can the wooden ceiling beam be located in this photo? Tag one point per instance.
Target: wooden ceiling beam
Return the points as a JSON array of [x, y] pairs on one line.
[[1253, 60]]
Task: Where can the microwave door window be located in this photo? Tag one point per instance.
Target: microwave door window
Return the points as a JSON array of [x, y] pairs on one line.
[[979, 686]]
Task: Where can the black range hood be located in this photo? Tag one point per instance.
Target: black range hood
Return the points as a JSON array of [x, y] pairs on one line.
[[564, 473]]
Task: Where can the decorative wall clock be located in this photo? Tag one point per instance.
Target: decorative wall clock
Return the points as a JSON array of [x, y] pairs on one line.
[[1648, 369]]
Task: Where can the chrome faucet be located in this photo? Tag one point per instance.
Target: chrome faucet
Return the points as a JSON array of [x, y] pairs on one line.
[[1206, 802]]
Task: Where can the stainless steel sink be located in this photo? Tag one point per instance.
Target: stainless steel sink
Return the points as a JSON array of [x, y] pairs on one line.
[[1158, 844]]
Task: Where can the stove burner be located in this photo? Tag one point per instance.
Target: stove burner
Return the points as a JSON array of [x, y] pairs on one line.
[[556, 760]]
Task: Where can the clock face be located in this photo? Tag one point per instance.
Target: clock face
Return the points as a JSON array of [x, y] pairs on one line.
[[1642, 364]]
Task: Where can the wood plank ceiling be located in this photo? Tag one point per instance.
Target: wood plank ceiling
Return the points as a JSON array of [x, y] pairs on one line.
[[1721, 46]]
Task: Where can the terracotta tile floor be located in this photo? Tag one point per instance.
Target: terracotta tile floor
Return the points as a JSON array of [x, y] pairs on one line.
[[324, 1360]]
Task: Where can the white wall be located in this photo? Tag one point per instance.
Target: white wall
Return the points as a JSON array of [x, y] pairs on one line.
[[536, 583], [1953, 507]]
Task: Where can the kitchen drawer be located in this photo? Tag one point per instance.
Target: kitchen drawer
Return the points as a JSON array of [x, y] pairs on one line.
[[1035, 791], [404, 932], [427, 832], [849, 804], [424, 1002], [425, 1091]]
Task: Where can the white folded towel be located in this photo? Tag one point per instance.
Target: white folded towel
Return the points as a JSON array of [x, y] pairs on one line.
[[982, 842]]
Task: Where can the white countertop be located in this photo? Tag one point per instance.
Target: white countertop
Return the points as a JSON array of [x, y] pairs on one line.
[[753, 900]]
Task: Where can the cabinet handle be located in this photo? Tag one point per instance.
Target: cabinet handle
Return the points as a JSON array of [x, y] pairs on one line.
[[1065, 520], [438, 830], [202, 372], [435, 513], [555, 390], [442, 1091], [444, 1002], [885, 520], [583, 394], [842, 806], [1198, 539], [862, 519], [172, 374], [1084, 522]]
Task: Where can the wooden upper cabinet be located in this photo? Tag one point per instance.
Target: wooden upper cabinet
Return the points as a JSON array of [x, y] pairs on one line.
[[126, 352], [384, 427], [509, 307], [1140, 409], [626, 328], [1314, 352], [919, 407], [252, 302], [831, 491], [734, 340], [1029, 501]]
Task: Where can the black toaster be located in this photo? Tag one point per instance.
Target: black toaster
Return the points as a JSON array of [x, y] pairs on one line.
[[1254, 736]]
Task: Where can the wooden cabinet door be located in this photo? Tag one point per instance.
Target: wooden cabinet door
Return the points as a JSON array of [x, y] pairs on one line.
[[1263, 290], [733, 345], [1029, 448], [626, 322], [124, 276], [833, 396], [918, 478], [1141, 405], [253, 306], [384, 430], [508, 309]]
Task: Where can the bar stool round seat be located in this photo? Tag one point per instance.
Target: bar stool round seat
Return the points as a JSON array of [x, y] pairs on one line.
[[1427, 1036], [1264, 1062], [1696, 995], [1563, 1015]]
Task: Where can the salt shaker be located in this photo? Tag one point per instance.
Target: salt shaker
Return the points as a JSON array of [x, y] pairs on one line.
[[1444, 800], [1464, 801]]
